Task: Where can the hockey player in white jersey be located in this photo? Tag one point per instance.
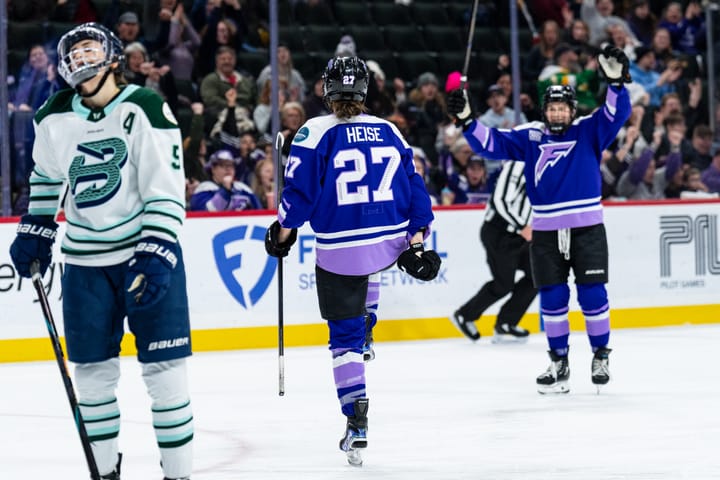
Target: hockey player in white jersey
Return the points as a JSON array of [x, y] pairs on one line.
[[114, 153], [352, 176]]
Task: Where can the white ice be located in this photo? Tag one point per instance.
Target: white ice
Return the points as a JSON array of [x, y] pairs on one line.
[[442, 409]]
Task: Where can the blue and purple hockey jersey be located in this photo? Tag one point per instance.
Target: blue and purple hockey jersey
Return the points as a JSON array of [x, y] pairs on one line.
[[562, 172], [354, 180]]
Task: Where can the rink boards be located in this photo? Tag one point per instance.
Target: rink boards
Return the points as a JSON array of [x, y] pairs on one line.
[[664, 270]]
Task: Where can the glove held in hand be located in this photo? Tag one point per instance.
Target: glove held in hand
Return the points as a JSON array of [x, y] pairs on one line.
[[35, 237], [615, 65], [458, 106], [272, 246], [418, 263], [149, 272]]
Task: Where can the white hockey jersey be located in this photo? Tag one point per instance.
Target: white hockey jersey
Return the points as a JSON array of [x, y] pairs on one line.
[[122, 169]]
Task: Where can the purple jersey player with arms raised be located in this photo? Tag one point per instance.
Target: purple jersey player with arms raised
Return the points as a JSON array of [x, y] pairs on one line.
[[352, 176], [562, 157]]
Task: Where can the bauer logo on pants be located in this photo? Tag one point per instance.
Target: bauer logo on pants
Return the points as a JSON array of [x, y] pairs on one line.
[[245, 268]]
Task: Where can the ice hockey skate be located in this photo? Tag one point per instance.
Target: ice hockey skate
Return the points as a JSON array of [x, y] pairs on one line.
[[601, 367], [505, 333], [555, 379], [115, 474], [355, 438], [466, 327]]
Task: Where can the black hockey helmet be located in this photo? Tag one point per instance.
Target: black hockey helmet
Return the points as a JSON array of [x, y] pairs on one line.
[[345, 79], [74, 70], [559, 93]]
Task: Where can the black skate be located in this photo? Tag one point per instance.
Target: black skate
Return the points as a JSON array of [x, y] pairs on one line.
[[505, 333], [115, 474], [355, 438], [555, 379], [601, 367], [466, 327], [368, 350]]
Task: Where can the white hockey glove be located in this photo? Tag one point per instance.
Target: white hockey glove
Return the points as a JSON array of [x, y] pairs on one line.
[[615, 65]]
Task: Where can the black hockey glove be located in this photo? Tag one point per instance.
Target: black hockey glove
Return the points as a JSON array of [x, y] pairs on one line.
[[458, 107], [149, 272], [273, 247], [419, 263], [615, 65], [34, 241]]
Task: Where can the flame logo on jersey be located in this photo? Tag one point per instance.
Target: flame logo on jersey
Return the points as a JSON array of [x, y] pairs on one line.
[[550, 154], [228, 247]]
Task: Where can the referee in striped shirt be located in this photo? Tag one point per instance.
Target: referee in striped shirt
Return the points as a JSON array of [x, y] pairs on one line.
[[506, 236]]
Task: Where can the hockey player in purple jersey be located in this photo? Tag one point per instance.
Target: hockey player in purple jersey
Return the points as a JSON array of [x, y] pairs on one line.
[[562, 157], [352, 176]]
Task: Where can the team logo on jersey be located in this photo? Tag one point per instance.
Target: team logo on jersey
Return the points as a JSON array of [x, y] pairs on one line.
[[235, 264], [301, 135], [95, 176], [550, 154]]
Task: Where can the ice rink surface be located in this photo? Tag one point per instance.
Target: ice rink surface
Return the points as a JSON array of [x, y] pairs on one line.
[[442, 409]]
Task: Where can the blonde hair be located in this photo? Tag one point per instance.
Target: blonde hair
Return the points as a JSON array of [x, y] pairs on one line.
[[136, 47], [348, 109], [264, 96], [256, 183], [459, 143], [293, 106]]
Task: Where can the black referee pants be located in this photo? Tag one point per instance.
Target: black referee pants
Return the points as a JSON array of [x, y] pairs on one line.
[[506, 253]]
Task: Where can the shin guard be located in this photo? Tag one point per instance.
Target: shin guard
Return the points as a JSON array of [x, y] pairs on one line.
[[172, 415], [593, 300], [554, 307], [347, 338], [96, 384]]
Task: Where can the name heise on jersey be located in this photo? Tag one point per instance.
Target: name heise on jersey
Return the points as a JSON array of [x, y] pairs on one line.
[[361, 133]]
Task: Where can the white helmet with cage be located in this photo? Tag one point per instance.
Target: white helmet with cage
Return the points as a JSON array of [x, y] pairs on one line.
[[76, 64]]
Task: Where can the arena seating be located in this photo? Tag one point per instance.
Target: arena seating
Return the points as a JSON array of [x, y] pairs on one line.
[[405, 40]]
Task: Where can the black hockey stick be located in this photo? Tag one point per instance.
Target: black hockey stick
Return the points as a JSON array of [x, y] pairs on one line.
[[60, 357], [279, 140], [468, 51]]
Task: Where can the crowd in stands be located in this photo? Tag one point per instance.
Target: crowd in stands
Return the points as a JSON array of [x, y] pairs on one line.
[[188, 52]]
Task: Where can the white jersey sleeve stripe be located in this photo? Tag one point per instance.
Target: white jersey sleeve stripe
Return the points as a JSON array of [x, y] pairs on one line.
[[361, 231]]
